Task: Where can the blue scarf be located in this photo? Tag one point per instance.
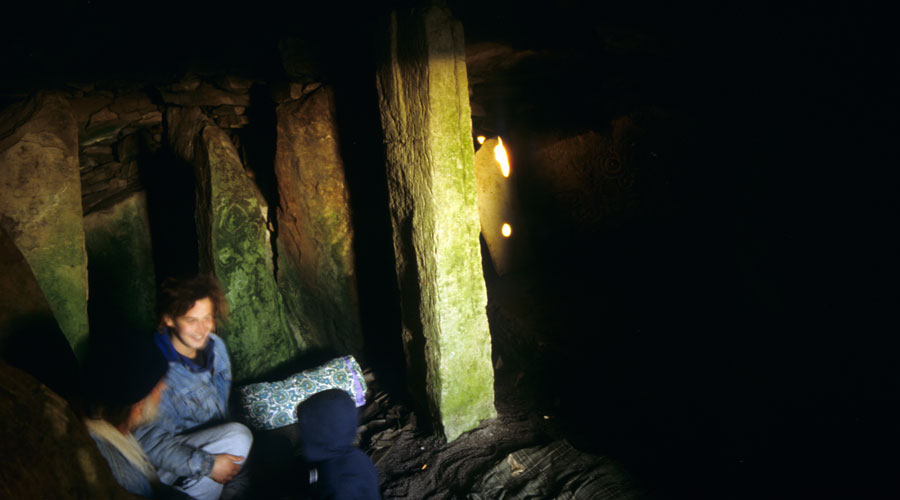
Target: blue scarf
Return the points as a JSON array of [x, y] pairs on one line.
[[164, 342]]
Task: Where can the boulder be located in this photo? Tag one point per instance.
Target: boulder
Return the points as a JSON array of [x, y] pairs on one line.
[[30, 338], [47, 451]]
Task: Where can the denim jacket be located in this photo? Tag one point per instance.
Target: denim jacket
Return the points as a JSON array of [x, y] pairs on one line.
[[193, 398], [128, 475]]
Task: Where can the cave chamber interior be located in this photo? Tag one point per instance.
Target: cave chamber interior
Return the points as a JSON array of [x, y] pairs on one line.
[[679, 296]]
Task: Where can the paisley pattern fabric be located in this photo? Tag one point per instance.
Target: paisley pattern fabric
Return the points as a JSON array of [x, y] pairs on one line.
[[269, 405]]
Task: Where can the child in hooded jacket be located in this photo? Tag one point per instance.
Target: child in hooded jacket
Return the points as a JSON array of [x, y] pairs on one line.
[[340, 471]]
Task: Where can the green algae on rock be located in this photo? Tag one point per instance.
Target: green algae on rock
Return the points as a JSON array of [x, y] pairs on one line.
[[431, 181]]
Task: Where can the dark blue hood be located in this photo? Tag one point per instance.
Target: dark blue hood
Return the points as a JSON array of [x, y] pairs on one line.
[[327, 422]]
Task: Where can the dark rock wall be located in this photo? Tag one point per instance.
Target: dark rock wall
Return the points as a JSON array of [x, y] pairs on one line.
[[711, 181]]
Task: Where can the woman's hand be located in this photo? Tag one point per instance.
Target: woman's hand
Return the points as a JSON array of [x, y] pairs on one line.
[[225, 467]]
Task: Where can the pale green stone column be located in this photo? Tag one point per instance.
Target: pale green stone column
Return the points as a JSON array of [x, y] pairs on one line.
[[423, 96]]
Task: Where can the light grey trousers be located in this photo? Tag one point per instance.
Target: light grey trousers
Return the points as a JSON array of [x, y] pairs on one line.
[[233, 438]]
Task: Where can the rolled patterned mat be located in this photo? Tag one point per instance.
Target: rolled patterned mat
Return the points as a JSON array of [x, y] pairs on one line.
[[269, 405]]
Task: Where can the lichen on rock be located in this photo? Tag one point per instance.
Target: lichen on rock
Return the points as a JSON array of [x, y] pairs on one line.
[[234, 246], [431, 183]]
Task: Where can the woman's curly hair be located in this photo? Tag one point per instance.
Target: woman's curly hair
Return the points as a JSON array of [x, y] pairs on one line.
[[178, 295]]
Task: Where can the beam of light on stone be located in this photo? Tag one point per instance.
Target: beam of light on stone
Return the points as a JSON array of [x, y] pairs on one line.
[[506, 230], [500, 156], [480, 139]]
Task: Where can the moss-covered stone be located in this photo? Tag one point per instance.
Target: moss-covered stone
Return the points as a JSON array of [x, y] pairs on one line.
[[315, 241], [426, 119], [234, 245], [120, 266], [40, 203]]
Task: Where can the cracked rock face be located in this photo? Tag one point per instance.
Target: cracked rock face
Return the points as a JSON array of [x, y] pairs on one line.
[[315, 244], [40, 199]]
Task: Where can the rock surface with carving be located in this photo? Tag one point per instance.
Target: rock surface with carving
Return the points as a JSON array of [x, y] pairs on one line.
[[315, 254], [40, 203], [234, 245]]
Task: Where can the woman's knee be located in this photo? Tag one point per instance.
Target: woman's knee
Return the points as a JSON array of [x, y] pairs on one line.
[[240, 436]]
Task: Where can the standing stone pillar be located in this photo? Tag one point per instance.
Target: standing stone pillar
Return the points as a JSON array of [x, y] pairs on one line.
[[40, 206], [122, 277], [423, 96], [234, 245], [316, 271]]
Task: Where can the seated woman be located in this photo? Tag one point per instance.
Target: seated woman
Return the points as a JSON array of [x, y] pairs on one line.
[[125, 386], [192, 444]]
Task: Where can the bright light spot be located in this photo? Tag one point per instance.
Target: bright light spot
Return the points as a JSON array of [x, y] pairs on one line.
[[500, 156], [506, 230], [480, 139]]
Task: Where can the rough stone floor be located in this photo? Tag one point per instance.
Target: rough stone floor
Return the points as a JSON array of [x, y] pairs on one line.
[[523, 453]]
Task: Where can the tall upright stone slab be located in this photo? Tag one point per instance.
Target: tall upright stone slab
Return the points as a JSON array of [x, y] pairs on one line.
[[40, 205], [315, 238], [423, 96], [234, 245], [122, 277]]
